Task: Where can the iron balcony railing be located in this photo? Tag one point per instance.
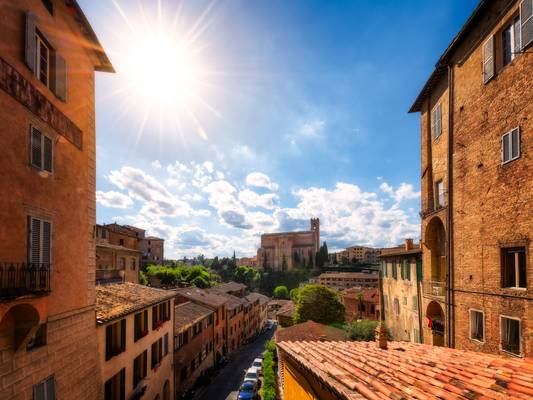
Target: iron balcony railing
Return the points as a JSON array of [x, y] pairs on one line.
[[435, 288], [18, 279]]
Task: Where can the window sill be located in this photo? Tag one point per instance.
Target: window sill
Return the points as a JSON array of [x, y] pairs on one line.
[[504, 163], [521, 289], [511, 354], [477, 341]]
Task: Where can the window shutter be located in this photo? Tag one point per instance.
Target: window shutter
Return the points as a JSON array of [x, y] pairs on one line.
[[123, 335], [46, 242], [145, 364], [407, 270], [506, 145], [166, 344], [36, 148], [154, 317], [123, 384], [30, 52], [50, 388], [137, 327], [47, 154], [39, 391], [515, 143], [60, 86], [488, 59], [145, 327], [35, 241], [108, 342], [526, 22]]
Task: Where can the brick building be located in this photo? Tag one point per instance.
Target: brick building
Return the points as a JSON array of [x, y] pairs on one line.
[[135, 333], [152, 249], [361, 254], [194, 335], [48, 56], [476, 131], [285, 250], [257, 317], [402, 290], [360, 303], [117, 256], [346, 280]]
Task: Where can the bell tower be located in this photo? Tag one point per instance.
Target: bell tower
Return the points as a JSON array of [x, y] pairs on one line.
[[315, 228]]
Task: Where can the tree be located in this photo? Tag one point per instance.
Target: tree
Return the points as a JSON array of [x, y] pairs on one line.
[[335, 262], [294, 293], [234, 260], [344, 260], [320, 304], [281, 292]]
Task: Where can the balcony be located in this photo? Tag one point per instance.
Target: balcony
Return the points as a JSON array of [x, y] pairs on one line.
[[434, 289], [19, 279]]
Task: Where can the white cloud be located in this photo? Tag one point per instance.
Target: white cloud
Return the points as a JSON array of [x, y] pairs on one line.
[[113, 199], [156, 164], [260, 180], [252, 199], [404, 192], [312, 128]]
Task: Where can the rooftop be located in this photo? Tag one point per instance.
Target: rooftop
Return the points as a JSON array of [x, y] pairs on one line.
[[189, 313], [231, 287], [400, 251], [203, 296], [287, 310], [231, 300], [369, 295], [360, 370], [309, 330], [257, 296], [108, 245], [119, 299]]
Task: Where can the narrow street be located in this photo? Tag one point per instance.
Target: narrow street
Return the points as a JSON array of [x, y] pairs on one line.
[[229, 378]]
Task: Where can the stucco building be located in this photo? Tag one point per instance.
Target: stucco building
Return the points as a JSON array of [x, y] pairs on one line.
[[477, 219], [402, 291], [286, 250], [346, 280], [48, 58], [194, 349]]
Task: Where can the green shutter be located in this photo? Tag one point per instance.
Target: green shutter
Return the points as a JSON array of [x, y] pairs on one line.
[[394, 270], [407, 270], [419, 270]]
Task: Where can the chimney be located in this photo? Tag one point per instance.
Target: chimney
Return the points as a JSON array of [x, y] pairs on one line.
[[381, 336], [408, 244]]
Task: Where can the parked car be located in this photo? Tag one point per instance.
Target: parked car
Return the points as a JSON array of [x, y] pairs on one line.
[[258, 364], [248, 391], [251, 375]]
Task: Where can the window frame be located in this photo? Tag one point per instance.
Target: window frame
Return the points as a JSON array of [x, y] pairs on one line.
[[503, 253], [41, 40], [470, 325], [42, 221], [43, 138], [45, 382], [438, 203], [509, 134], [434, 120], [520, 354]]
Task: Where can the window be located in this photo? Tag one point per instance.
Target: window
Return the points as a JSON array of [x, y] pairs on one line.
[[122, 262], [115, 339], [140, 328], [139, 368], [439, 190], [511, 41], [40, 241], [115, 386], [436, 121], [511, 146], [488, 59], [526, 20], [157, 353], [133, 264], [181, 339], [384, 268], [45, 390], [121, 242], [42, 59], [165, 344], [513, 261], [160, 314], [394, 270], [510, 334], [40, 150], [396, 307], [415, 303], [477, 329], [407, 270]]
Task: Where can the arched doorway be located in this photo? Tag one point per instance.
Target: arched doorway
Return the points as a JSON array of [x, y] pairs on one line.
[[435, 242], [19, 325], [436, 323]]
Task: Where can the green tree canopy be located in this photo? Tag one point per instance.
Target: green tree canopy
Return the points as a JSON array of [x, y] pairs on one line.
[[294, 293], [281, 292], [320, 304]]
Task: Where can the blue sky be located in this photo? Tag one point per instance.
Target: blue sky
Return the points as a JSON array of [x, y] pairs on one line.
[[298, 110]]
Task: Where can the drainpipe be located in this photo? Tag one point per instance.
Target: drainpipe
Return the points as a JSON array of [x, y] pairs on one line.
[[450, 275]]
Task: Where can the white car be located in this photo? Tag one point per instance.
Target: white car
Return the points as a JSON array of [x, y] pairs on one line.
[[258, 364], [251, 375]]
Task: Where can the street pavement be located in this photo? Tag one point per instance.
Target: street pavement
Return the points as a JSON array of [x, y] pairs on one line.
[[229, 378]]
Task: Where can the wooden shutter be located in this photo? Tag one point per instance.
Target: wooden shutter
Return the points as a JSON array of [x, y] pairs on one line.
[[144, 364], [35, 240], [137, 326], [145, 323], [108, 343], [407, 270], [122, 384], [30, 45], [36, 148], [123, 335], [50, 388], [526, 22], [488, 59], [154, 317], [60, 79], [47, 153], [46, 242], [166, 344]]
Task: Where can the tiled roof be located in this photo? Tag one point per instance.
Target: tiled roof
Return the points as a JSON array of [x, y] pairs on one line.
[[203, 296], [400, 251], [231, 300], [108, 245], [279, 302], [231, 287], [188, 313], [309, 330], [119, 299], [257, 296], [360, 370], [287, 310], [370, 295]]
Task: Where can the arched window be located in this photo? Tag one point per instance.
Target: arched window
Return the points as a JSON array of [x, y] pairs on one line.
[[396, 307]]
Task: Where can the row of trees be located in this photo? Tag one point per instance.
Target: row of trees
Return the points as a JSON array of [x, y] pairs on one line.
[[198, 275]]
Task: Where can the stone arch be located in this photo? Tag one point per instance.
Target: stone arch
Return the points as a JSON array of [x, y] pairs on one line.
[[435, 241], [436, 322], [19, 324]]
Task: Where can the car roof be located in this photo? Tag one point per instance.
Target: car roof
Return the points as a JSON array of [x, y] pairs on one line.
[[252, 370], [258, 359]]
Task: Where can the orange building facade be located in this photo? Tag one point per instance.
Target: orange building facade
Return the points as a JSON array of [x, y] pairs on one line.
[[48, 56]]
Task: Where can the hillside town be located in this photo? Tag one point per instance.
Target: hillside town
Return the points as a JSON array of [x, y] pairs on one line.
[[103, 311]]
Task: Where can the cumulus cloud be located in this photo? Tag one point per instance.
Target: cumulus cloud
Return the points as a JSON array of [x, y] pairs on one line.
[[253, 199], [404, 192], [260, 180], [312, 128], [113, 199], [156, 164]]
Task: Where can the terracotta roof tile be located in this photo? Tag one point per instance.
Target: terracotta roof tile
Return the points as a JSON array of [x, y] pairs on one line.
[[231, 287], [309, 330], [287, 310], [203, 296], [360, 370], [257, 296], [188, 313], [116, 300]]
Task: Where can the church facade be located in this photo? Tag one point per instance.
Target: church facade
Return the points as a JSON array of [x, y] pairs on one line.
[[287, 250]]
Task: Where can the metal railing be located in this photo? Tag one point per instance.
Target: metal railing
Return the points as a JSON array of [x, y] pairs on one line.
[[18, 279], [435, 288]]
